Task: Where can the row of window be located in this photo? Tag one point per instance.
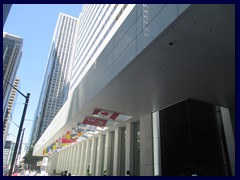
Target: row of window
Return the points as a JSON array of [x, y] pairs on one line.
[[79, 70], [85, 43]]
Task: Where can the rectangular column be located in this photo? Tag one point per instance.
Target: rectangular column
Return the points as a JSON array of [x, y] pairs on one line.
[[229, 135], [53, 164], [64, 159], [110, 167], [116, 158], [73, 159], [99, 157], [129, 147], [93, 156], [156, 144], [58, 161], [70, 157], [78, 172], [107, 153], [87, 157], [82, 158], [61, 163], [146, 144]]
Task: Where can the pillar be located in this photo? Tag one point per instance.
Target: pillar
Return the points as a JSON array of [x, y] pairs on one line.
[[116, 156], [82, 158], [230, 139], [156, 144], [99, 157], [80, 147], [146, 144], [87, 156], [93, 156], [129, 147]]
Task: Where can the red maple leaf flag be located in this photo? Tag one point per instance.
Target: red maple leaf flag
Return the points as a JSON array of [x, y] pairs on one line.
[[95, 121], [105, 114]]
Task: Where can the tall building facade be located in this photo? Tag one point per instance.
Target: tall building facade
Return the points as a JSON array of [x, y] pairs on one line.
[[56, 81], [168, 68], [12, 53], [97, 25], [6, 10], [7, 155], [7, 152], [10, 109]]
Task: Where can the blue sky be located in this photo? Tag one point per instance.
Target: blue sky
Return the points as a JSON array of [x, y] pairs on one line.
[[34, 23]]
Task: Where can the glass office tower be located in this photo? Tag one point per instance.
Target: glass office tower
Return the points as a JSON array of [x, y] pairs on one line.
[[12, 53], [56, 81], [6, 10]]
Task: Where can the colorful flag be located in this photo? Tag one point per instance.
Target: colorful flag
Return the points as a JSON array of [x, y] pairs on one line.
[[80, 134], [54, 146], [105, 114], [68, 135], [74, 135], [44, 151], [81, 127], [95, 121], [49, 149], [67, 141], [75, 130], [64, 142]]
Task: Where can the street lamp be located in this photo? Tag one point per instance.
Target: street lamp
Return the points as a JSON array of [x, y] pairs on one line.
[[21, 143], [20, 148], [20, 127]]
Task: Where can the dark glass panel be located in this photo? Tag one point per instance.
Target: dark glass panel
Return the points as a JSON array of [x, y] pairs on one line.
[[214, 153], [175, 128], [178, 110], [192, 140], [198, 109]]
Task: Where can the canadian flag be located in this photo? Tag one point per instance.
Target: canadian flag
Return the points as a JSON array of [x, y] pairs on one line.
[[66, 141], [105, 114], [95, 121]]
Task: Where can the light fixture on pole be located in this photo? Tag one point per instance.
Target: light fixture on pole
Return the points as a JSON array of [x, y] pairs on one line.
[[20, 127]]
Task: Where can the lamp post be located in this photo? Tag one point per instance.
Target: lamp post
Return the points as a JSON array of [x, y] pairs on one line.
[[20, 127], [20, 148], [21, 143]]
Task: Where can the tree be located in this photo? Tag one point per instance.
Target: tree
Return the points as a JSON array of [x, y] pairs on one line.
[[31, 161]]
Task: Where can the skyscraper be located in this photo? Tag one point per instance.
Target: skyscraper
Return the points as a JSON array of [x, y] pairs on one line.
[[7, 152], [57, 75], [12, 53], [10, 109], [6, 10], [7, 155]]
